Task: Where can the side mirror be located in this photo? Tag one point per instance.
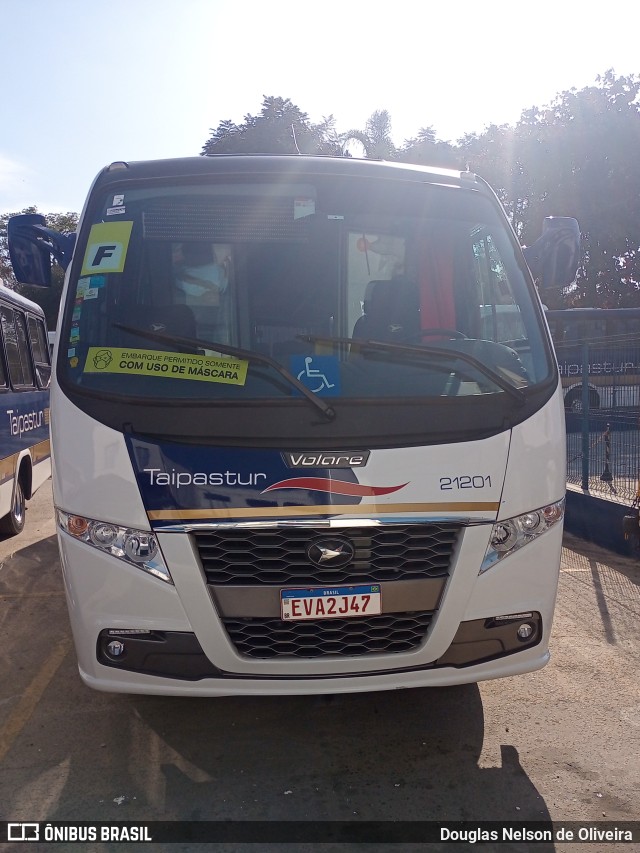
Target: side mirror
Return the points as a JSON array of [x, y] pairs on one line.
[[31, 260], [31, 246], [553, 259]]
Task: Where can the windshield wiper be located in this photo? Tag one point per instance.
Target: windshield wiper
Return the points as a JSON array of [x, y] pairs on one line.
[[327, 411], [435, 352]]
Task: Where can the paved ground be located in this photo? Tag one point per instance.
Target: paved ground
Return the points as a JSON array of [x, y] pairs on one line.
[[562, 743]]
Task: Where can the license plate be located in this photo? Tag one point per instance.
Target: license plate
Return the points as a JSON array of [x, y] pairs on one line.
[[335, 602]]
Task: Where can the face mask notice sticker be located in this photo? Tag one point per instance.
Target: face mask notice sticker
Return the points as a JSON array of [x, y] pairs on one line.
[[107, 247], [173, 365]]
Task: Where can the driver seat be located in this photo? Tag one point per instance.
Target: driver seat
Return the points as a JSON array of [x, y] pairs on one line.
[[391, 312]]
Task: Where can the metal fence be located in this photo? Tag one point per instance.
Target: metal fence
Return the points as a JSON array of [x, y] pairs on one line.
[[603, 448]]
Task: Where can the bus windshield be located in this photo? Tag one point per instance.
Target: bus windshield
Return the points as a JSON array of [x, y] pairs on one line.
[[222, 292]]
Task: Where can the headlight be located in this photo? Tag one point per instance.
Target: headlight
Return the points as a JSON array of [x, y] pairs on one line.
[[137, 547], [514, 533]]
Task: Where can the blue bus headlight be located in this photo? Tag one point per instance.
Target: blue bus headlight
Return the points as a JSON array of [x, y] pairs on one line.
[[137, 547], [512, 534]]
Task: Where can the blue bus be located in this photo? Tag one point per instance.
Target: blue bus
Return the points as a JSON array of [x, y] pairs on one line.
[[25, 374], [604, 345]]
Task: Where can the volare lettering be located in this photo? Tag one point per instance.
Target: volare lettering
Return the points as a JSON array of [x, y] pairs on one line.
[[327, 460], [181, 479]]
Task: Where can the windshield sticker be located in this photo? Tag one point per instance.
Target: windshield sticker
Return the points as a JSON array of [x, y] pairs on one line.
[[175, 365], [303, 207], [114, 211], [107, 247], [81, 289], [320, 373]]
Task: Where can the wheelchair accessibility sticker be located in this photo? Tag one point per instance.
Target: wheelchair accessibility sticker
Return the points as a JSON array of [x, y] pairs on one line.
[[320, 373]]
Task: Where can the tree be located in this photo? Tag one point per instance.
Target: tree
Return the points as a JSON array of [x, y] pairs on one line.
[[280, 128], [426, 149], [375, 140], [576, 157], [47, 297]]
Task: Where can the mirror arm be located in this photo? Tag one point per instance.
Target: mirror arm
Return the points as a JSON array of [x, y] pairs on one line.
[[59, 245]]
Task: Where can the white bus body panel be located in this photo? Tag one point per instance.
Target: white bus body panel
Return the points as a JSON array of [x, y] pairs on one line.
[[116, 595]]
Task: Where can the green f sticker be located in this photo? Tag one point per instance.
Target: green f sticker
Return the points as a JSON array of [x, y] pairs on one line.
[[107, 247]]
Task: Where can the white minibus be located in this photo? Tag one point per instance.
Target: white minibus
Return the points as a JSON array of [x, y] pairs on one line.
[[291, 454]]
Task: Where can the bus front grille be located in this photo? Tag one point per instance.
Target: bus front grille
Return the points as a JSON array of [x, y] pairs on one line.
[[387, 633], [280, 556]]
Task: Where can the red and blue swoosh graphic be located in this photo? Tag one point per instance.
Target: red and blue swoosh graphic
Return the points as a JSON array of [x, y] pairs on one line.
[[334, 487]]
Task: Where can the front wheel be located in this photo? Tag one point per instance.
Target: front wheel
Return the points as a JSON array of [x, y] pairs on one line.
[[13, 521]]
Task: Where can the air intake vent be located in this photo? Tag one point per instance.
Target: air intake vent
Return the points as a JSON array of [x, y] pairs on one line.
[[279, 556], [389, 633]]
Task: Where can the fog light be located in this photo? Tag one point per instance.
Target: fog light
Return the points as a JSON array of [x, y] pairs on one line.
[[525, 631], [115, 648]]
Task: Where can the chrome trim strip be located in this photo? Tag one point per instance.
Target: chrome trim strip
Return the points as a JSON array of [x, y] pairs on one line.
[[326, 523]]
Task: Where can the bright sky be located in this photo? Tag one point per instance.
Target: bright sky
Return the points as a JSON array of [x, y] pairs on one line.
[[87, 82]]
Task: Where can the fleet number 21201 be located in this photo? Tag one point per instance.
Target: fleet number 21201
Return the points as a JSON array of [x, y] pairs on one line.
[[465, 481]]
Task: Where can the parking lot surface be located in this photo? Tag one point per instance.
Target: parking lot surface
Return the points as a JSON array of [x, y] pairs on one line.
[[561, 744]]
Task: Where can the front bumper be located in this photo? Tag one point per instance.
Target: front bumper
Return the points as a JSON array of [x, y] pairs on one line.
[[460, 647]]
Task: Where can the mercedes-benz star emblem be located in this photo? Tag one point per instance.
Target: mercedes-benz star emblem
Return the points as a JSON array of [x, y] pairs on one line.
[[330, 552]]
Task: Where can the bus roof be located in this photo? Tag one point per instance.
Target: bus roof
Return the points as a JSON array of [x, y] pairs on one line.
[[13, 296], [244, 164]]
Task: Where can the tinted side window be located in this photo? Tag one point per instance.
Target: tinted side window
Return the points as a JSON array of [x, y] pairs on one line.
[[23, 349], [40, 350], [3, 372], [17, 348]]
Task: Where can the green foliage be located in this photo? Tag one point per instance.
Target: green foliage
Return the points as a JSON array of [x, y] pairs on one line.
[[576, 157], [427, 150], [375, 140], [280, 128]]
